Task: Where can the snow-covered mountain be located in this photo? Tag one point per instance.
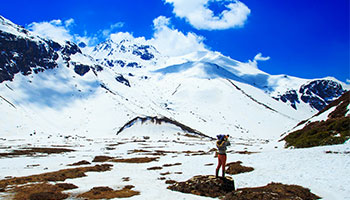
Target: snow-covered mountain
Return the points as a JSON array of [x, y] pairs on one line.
[[48, 87], [125, 53]]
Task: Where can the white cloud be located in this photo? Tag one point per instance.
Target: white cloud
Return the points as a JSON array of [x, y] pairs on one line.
[[348, 81], [118, 37], [70, 22], [112, 28], [259, 57], [198, 14], [55, 30], [168, 40], [172, 42]]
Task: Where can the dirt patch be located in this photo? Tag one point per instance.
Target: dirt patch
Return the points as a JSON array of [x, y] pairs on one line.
[[209, 164], [116, 144], [191, 136], [170, 165], [33, 151], [205, 186], [125, 179], [245, 152], [135, 160], [42, 191], [101, 158], [165, 173], [66, 186], [272, 191], [60, 175], [83, 162], [170, 182], [155, 168], [138, 151], [237, 168], [109, 193]]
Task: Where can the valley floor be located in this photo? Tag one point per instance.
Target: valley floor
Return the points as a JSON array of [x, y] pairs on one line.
[[324, 170]]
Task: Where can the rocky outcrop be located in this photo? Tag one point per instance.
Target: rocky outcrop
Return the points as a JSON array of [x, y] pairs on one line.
[[224, 188], [22, 51], [205, 186], [20, 55], [318, 94], [123, 80], [272, 191], [160, 120], [334, 130]]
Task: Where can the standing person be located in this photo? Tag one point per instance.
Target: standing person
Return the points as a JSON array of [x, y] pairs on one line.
[[222, 144]]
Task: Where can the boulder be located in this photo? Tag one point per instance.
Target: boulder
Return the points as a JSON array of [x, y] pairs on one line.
[[205, 186]]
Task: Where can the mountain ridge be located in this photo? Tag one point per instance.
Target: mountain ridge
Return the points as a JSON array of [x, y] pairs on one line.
[[77, 89]]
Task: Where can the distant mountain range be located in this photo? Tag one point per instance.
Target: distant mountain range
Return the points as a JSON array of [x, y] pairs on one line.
[[54, 88]]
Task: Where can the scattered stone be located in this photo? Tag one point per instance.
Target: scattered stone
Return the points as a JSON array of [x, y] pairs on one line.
[[177, 172], [205, 186], [161, 178], [109, 193], [237, 168], [272, 191], [101, 158], [209, 164], [83, 162]]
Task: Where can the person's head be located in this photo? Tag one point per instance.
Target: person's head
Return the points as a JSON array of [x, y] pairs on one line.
[[220, 137]]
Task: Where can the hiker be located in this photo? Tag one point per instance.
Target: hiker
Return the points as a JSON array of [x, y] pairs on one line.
[[221, 144]]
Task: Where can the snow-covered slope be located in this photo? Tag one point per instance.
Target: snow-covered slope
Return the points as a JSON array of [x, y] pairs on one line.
[[83, 95]]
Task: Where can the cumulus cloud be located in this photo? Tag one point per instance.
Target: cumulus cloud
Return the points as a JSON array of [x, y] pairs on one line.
[[200, 16], [55, 30], [259, 57], [118, 37], [167, 40], [173, 42]]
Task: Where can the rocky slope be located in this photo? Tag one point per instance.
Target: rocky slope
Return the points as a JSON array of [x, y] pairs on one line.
[[330, 126]]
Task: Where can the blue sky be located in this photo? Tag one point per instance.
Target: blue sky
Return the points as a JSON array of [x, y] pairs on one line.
[[303, 38]]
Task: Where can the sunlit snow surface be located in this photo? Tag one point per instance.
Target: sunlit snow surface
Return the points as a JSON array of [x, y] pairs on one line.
[[324, 174]]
